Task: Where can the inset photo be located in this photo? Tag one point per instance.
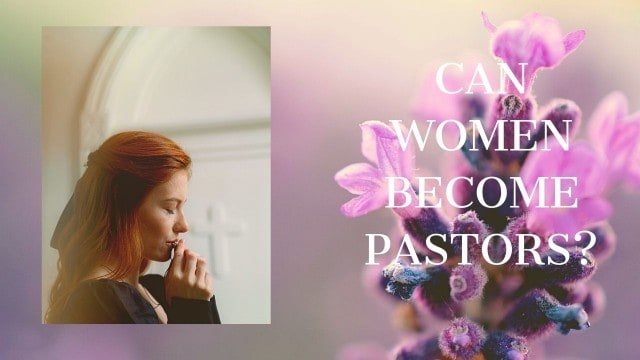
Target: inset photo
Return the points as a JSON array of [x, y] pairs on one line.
[[156, 175]]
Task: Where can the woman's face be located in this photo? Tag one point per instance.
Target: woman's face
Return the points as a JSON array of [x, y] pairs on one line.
[[162, 218]]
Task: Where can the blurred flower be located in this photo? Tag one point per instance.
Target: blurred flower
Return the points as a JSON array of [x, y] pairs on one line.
[[579, 162], [462, 340], [467, 282], [381, 146], [536, 40], [614, 134], [519, 302], [425, 347], [433, 104], [502, 346], [536, 313]]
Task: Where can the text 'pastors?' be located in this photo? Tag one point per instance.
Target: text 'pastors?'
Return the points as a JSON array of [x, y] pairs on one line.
[[547, 192]]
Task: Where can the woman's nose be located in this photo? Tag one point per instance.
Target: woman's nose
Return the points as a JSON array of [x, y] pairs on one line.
[[181, 226]]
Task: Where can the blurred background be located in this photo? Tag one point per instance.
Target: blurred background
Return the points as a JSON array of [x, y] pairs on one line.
[[334, 65], [207, 88]]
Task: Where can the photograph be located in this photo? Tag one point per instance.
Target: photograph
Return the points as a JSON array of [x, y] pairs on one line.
[[156, 168]]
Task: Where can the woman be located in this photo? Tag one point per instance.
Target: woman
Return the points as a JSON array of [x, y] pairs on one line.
[[127, 210]]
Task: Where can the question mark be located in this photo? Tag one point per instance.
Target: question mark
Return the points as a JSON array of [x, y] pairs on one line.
[[592, 243]]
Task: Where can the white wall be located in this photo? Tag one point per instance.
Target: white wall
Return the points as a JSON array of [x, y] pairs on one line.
[[68, 59]]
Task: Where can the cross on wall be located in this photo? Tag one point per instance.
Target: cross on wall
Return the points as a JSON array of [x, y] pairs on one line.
[[218, 230]]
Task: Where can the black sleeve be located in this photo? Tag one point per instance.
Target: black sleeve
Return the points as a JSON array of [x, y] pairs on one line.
[[190, 311], [97, 302], [182, 311]]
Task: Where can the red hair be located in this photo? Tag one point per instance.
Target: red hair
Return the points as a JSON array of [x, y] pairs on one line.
[[103, 223]]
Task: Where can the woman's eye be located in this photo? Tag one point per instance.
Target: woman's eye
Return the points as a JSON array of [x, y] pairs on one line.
[[170, 211]]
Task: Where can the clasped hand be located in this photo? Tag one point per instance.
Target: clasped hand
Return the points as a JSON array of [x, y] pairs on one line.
[[188, 276]]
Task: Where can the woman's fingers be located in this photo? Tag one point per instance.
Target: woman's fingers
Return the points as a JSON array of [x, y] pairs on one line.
[[201, 270], [208, 282], [178, 257], [180, 248], [189, 277], [191, 264]]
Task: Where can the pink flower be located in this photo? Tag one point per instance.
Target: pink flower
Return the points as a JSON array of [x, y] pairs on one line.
[[431, 103], [581, 162], [615, 136], [381, 146], [536, 40]]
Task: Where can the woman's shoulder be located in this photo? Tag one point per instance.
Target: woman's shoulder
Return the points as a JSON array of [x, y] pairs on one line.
[[104, 289], [106, 301]]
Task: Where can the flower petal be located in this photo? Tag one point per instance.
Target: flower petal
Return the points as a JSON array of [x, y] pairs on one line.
[[487, 23], [624, 147], [368, 145], [431, 103], [390, 158], [359, 178], [582, 163], [535, 40], [591, 210], [573, 39], [611, 109], [364, 204]]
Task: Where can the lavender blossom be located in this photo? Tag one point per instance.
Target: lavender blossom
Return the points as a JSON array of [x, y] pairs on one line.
[[536, 40], [433, 104], [614, 135], [463, 339], [467, 282], [536, 313], [594, 301], [435, 295], [502, 346], [403, 279], [428, 221], [518, 302], [579, 162], [469, 223], [423, 348], [605, 241], [381, 146], [574, 270]]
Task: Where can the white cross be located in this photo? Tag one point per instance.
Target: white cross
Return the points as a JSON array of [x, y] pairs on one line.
[[219, 230]]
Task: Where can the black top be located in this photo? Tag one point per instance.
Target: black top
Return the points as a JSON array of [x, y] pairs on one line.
[[105, 301]]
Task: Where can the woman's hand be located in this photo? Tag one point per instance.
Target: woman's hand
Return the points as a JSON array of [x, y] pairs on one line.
[[187, 276]]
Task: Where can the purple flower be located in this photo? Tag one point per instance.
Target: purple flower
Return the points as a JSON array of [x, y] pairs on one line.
[[579, 162], [468, 223], [502, 346], [536, 313], [462, 339], [578, 267], [536, 40], [595, 301], [432, 103], [614, 135], [519, 302], [381, 146], [422, 348], [467, 282], [403, 279], [435, 294], [558, 111], [605, 241]]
